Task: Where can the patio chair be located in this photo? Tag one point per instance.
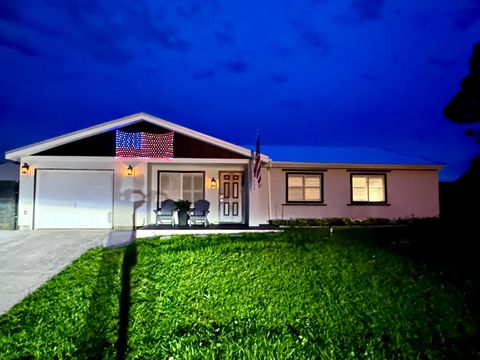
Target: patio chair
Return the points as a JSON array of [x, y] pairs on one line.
[[166, 212], [199, 213]]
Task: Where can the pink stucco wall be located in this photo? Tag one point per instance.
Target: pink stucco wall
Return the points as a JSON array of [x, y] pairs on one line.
[[410, 193]]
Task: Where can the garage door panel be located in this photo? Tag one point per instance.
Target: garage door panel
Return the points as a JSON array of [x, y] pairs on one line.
[[73, 199]]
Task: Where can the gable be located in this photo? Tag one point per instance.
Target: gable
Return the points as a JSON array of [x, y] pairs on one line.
[[99, 140], [104, 145]]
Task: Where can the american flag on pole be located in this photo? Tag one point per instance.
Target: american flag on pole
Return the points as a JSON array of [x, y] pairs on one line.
[[144, 145], [258, 163]]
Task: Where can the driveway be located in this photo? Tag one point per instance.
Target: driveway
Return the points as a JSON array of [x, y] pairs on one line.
[[29, 258]]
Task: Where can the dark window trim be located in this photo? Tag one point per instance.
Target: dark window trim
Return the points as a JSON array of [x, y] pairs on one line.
[[177, 172], [304, 203], [296, 202], [369, 203], [368, 171], [305, 170], [364, 203]]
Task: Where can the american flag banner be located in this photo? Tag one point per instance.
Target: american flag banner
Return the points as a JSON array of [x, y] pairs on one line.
[[144, 145]]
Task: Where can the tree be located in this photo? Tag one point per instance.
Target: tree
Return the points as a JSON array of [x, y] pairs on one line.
[[465, 106]]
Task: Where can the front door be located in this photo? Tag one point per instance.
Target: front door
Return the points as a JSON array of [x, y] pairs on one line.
[[231, 198]]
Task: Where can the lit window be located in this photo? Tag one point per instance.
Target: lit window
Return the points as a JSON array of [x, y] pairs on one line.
[[368, 188], [192, 187], [185, 186], [304, 187]]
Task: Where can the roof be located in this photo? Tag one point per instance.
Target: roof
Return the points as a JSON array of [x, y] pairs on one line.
[[32, 149], [342, 155], [275, 153]]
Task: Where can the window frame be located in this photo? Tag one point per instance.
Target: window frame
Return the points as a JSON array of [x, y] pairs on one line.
[[303, 174], [159, 172], [369, 174]]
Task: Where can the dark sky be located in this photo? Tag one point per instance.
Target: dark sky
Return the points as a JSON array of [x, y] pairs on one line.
[[306, 72]]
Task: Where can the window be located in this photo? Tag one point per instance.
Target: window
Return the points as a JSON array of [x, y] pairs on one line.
[[177, 185], [368, 188], [192, 187], [304, 187]]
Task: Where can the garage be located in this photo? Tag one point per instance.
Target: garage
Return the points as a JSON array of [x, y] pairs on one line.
[[73, 199]]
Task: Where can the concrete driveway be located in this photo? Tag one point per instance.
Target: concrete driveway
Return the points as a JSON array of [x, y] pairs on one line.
[[29, 258]]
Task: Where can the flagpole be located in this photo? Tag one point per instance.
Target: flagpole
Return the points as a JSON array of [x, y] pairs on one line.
[[251, 177], [255, 180], [269, 192], [257, 167]]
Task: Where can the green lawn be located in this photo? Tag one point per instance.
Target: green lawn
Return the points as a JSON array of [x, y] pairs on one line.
[[297, 295]]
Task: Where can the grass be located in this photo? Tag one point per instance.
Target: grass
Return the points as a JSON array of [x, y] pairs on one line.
[[297, 295]]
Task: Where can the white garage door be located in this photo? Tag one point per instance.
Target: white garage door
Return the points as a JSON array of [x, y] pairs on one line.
[[73, 199]]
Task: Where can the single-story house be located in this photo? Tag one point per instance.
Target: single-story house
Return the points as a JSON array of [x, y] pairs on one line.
[[114, 175]]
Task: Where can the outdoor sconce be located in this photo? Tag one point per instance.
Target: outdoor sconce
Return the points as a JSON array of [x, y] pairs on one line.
[[129, 170], [213, 183], [25, 168]]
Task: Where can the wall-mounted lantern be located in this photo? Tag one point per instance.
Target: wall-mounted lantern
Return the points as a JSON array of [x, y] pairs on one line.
[[213, 183], [129, 170], [25, 168]]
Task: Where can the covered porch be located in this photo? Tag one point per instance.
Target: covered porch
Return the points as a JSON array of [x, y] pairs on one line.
[[223, 183]]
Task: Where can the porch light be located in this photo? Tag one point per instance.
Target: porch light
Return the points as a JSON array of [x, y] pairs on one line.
[[213, 183], [129, 170], [25, 168]]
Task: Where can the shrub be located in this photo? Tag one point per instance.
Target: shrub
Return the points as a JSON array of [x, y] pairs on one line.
[[300, 222]]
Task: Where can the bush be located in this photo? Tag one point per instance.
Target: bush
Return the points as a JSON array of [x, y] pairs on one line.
[[353, 222]]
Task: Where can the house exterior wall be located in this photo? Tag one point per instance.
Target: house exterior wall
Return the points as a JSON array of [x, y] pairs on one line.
[[410, 193], [134, 197]]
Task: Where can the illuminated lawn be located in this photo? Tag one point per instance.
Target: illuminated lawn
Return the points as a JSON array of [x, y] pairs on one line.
[[300, 295]]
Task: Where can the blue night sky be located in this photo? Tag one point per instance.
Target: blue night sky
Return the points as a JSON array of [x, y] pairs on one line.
[[371, 73]]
